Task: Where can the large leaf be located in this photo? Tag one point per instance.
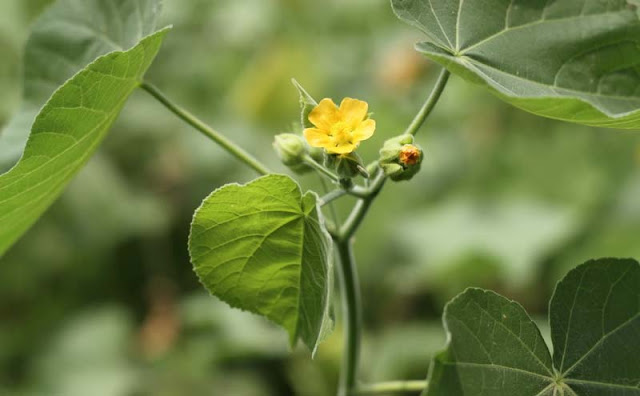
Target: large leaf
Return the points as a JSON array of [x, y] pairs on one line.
[[595, 328], [67, 131], [575, 60], [496, 349], [262, 247], [65, 39]]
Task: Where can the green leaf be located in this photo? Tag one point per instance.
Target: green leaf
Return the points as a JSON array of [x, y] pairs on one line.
[[307, 103], [65, 39], [262, 247], [595, 328], [574, 60], [67, 131], [495, 349]]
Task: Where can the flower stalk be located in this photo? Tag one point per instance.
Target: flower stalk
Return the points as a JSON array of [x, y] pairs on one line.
[[349, 283]]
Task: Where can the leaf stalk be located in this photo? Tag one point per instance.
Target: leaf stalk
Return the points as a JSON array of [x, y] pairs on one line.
[[206, 130], [429, 104], [391, 387]]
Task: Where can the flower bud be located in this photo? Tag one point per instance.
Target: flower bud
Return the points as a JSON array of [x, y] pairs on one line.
[[346, 166], [316, 153], [291, 150], [400, 159]]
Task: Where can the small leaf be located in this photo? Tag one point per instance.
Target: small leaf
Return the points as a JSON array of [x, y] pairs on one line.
[[65, 39], [574, 60], [307, 103], [262, 247], [66, 132], [495, 349]]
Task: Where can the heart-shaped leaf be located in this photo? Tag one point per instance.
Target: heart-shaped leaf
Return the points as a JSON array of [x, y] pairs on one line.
[[64, 39], [262, 247], [574, 60], [495, 348], [73, 122]]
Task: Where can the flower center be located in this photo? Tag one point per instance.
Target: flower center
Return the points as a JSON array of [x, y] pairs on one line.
[[341, 134]]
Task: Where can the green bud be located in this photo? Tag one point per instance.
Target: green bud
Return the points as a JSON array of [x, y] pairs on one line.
[[291, 150], [400, 159], [346, 166], [317, 153]]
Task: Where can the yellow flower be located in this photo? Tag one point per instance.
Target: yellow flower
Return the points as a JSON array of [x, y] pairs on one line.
[[339, 130]]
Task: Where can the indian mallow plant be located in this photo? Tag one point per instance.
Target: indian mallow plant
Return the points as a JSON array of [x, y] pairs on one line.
[[266, 246]]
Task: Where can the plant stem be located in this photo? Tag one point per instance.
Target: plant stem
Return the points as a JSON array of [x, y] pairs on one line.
[[359, 211], [332, 196], [428, 106], [349, 283], [221, 140], [320, 168], [358, 191], [391, 387], [351, 307], [327, 199]]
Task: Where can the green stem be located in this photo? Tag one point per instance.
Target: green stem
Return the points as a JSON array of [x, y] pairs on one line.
[[221, 140], [359, 211], [428, 106], [332, 196], [351, 307], [358, 191], [391, 387], [347, 269], [327, 199], [324, 171]]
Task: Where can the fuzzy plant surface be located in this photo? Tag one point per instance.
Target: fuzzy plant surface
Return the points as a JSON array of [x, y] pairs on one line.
[[271, 248]]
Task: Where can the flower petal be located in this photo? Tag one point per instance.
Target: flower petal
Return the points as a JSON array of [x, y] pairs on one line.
[[316, 137], [341, 149], [325, 114], [353, 111], [364, 131]]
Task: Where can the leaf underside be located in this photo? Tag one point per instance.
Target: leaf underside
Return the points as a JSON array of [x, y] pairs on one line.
[[573, 60], [495, 348], [262, 247], [65, 39], [66, 132]]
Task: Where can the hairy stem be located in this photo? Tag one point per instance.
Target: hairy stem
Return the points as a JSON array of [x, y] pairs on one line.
[[359, 211], [327, 200], [391, 387], [430, 103], [332, 196], [347, 269], [321, 169], [352, 313], [221, 140]]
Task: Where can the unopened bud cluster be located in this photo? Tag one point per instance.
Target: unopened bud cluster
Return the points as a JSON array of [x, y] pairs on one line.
[[400, 159]]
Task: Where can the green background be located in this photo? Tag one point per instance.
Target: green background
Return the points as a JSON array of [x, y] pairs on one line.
[[99, 297]]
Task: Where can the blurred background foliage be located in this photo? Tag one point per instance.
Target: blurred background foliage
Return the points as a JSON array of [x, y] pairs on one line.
[[99, 297]]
